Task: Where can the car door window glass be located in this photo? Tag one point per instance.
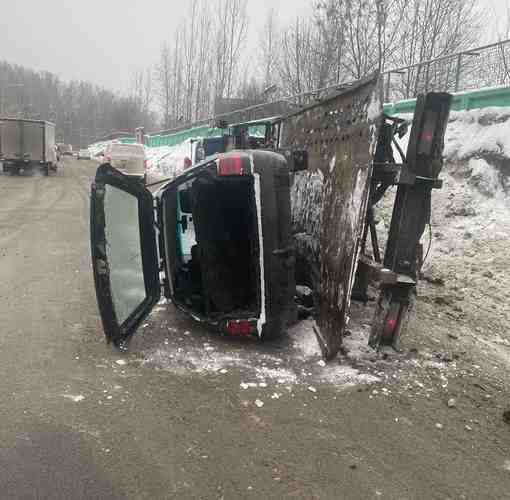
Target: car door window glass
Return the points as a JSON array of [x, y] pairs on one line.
[[123, 249]]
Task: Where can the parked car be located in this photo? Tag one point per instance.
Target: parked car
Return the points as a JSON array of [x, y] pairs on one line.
[[83, 154], [67, 149], [128, 158], [218, 243]]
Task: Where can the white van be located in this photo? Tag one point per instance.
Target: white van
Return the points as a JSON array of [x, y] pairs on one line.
[[128, 158]]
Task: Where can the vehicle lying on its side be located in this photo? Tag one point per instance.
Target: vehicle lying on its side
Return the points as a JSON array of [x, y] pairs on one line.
[[217, 238], [128, 158], [27, 145]]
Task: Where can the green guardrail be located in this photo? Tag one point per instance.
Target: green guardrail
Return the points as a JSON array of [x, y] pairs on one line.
[[154, 141], [483, 98], [476, 99]]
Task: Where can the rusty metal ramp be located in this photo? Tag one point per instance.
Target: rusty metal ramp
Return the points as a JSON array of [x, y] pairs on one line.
[[329, 199]]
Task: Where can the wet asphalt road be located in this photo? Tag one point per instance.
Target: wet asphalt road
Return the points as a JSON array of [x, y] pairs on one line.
[[81, 421]]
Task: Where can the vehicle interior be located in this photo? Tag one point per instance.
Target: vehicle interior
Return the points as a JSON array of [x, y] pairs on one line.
[[211, 243]]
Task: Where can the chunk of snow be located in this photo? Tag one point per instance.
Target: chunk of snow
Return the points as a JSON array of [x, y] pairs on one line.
[[74, 398]]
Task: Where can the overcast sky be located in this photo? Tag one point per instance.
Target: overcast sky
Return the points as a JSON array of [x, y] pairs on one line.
[[104, 41]]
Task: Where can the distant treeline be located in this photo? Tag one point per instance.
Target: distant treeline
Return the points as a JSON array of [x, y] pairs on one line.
[[83, 112], [205, 65]]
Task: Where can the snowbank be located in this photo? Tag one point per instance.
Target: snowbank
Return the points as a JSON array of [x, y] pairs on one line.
[[473, 133], [168, 161], [476, 132], [98, 147]]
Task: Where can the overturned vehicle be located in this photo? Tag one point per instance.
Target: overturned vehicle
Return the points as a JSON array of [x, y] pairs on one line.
[[217, 240], [228, 239]]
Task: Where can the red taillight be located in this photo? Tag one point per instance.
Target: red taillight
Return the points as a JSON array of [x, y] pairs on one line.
[[145, 164], [187, 163], [239, 328], [230, 165], [427, 136], [391, 323]]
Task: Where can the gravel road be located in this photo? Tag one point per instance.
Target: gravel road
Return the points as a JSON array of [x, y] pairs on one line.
[[185, 414]]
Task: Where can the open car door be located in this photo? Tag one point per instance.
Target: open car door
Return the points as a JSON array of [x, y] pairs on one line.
[[124, 252]]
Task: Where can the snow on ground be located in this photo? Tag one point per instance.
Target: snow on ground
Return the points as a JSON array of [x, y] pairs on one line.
[[295, 364], [168, 161]]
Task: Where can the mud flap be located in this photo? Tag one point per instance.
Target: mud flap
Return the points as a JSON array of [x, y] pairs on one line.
[[329, 200]]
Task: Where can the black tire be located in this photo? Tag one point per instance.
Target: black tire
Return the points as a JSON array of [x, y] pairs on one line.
[[46, 170]]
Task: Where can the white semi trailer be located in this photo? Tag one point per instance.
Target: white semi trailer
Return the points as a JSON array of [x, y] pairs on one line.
[[26, 145]]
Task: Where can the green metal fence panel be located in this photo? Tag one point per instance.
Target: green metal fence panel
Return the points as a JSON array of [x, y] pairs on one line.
[[476, 99], [179, 137]]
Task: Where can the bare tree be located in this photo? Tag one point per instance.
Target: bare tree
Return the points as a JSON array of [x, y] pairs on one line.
[[269, 49], [204, 67], [330, 23], [141, 90], [231, 26], [431, 29], [296, 47], [164, 77], [189, 41]]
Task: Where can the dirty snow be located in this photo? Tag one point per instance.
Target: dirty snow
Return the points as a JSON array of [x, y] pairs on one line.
[[298, 365], [76, 398]]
